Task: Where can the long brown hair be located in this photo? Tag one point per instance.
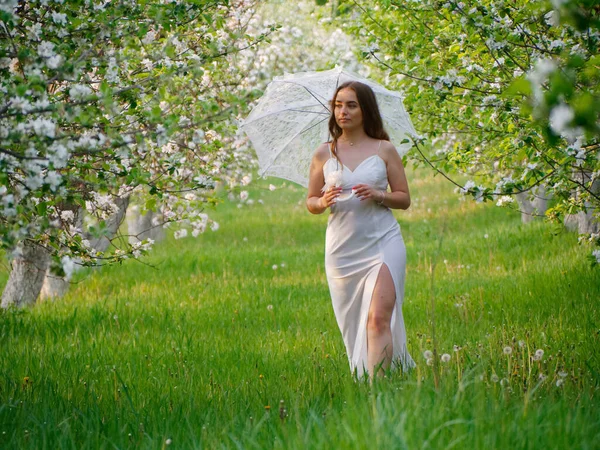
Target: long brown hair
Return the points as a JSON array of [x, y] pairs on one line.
[[372, 122]]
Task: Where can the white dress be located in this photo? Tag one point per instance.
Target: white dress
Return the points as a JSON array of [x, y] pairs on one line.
[[362, 236]]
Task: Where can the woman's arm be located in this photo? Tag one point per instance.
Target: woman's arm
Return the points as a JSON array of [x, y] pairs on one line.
[[399, 197], [316, 201]]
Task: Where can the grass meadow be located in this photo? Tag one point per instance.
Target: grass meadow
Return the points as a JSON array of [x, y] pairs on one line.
[[229, 340]]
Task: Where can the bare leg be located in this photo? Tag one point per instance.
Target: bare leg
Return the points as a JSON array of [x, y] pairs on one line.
[[379, 332]]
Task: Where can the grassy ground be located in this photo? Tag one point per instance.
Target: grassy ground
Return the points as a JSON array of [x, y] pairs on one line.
[[212, 346]]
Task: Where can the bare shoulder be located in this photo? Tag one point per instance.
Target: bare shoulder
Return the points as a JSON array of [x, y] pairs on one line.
[[322, 153], [388, 152]]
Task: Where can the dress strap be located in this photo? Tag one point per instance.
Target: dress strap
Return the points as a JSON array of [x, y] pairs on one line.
[[379, 147]]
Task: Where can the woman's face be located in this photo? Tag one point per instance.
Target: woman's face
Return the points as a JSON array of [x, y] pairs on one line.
[[348, 114]]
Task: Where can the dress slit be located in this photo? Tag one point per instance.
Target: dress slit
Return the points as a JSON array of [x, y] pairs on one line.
[[362, 341]]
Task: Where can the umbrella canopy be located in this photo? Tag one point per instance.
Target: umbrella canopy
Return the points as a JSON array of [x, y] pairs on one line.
[[291, 120]]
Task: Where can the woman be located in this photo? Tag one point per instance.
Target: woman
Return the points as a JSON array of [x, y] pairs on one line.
[[365, 256]]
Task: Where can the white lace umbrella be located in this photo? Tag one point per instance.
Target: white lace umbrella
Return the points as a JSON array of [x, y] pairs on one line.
[[291, 120]]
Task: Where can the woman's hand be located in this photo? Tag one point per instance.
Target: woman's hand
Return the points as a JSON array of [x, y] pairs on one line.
[[365, 192], [330, 196]]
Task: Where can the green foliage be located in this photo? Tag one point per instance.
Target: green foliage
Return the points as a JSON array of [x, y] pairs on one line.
[[507, 93]]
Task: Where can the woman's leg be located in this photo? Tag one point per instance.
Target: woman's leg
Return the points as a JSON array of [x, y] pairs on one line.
[[379, 332]]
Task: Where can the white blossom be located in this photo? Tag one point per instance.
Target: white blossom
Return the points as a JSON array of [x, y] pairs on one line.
[[150, 37], [560, 118], [59, 18], [43, 127], [505, 200], [53, 179], [198, 137], [539, 74], [79, 91], [46, 49], [179, 234], [68, 266], [334, 179], [467, 187]]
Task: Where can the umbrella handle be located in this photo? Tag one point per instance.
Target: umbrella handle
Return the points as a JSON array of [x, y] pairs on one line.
[[345, 198]]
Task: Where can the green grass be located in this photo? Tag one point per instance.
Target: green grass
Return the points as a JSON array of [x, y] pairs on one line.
[[203, 345]]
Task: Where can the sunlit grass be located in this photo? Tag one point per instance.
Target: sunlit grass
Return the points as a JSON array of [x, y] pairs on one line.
[[200, 344]]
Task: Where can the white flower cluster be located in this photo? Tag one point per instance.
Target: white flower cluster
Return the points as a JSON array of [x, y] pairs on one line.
[[560, 118], [46, 52], [141, 247], [101, 205], [505, 200], [503, 183], [79, 91], [68, 265], [334, 179], [477, 190], [450, 79], [59, 18], [58, 155], [41, 126], [7, 202], [539, 74]]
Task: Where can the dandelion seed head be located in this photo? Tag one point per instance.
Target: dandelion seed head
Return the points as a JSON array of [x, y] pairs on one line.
[[445, 357], [507, 350], [494, 378], [428, 354]]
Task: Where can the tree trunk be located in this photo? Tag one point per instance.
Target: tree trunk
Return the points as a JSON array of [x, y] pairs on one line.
[[585, 221], [26, 277], [112, 224], [141, 227], [533, 204], [56, 287]]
